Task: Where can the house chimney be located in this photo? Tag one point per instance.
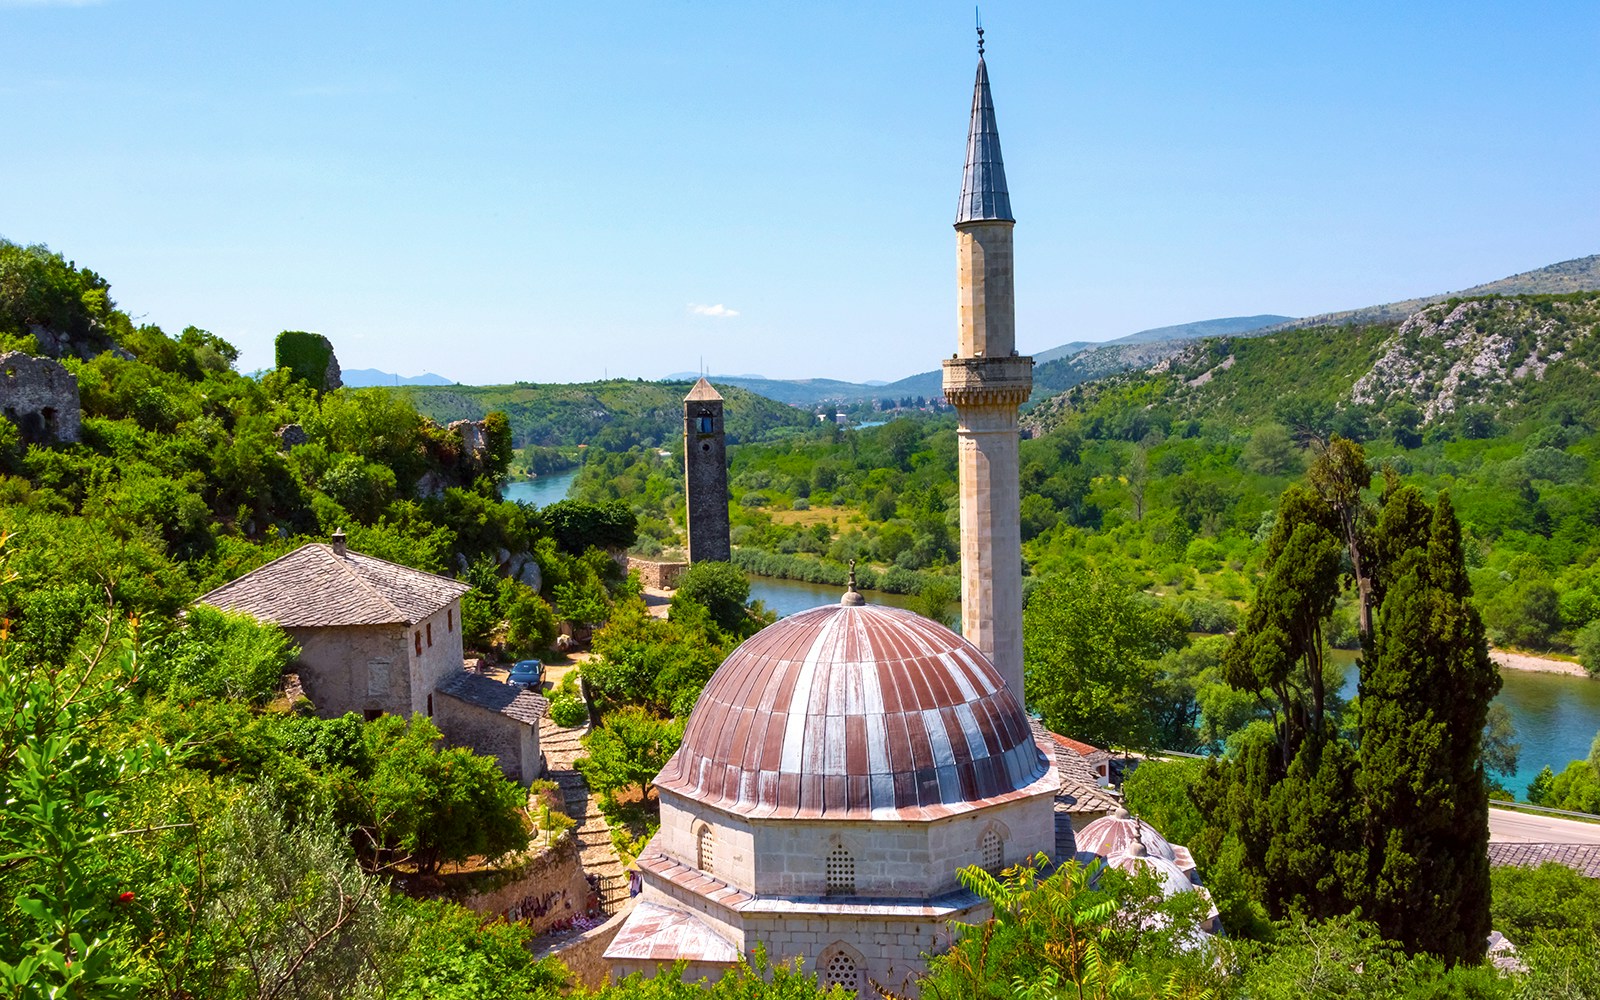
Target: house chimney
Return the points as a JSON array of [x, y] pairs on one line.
[[338, 541]]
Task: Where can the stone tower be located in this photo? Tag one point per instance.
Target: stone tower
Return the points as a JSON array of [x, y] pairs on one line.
[[986, 381], [705, 474]]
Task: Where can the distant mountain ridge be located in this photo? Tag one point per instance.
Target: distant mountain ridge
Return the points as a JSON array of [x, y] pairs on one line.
[[361, 378], [1581, 274]]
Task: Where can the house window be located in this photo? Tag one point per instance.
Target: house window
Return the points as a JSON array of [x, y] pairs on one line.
[[707, 424], [430, 706], [449, 619], [839, 969], [372, 713], [992, 851], [841, 872], [419, 642], [705, 843], [430, 633]]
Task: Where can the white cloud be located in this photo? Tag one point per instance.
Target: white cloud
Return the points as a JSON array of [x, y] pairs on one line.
[[719, 310]]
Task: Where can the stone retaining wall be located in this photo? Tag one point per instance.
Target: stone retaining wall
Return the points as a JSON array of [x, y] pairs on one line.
[[584, 955], [548, 891]]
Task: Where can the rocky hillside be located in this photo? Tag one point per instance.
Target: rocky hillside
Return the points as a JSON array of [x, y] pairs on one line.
[[1484, 360], [1579, 275]]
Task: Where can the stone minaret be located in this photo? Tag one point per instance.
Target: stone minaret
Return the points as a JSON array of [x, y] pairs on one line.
[[705, 474], [986, 381]]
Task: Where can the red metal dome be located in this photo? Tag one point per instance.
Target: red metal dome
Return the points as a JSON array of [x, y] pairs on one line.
[[855, 712]]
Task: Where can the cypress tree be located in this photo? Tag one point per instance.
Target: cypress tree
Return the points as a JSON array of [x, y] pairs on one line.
[[1425, 691]]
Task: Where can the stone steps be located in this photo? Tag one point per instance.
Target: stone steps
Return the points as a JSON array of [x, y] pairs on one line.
[[595, 851]]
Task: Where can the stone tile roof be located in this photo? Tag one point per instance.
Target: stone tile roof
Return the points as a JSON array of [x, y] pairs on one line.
[[715, 890], [693, 879], [512, 701], [1581, 858], [657, 933], [314, 586], [702, 391], [1080, 787], [856, 712]]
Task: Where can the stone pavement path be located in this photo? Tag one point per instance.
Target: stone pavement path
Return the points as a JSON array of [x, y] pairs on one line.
[[561, 746]]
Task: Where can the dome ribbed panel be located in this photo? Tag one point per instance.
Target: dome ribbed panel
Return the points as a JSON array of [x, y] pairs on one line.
[[854, 712]]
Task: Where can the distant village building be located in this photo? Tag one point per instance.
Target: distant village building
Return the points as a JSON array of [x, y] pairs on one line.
[[41, 397], [705, 474], [378, 638]]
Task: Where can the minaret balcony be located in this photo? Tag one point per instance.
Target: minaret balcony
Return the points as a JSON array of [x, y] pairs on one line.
[[988, 381]]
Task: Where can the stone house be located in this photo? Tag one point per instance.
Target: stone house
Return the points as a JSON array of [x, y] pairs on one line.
[[379, 638], [41, 397]]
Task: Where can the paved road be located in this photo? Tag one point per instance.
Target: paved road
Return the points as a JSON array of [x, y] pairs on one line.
[[1507, 826]]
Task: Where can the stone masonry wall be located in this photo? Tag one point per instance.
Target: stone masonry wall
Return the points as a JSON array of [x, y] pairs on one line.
[[550, 890], [705, 461], [513, 744], [656, 575], [584, 956], [358, 669], [40, 397]]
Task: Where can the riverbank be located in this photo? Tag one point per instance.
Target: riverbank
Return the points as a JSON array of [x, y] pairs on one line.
[[1536, 664]]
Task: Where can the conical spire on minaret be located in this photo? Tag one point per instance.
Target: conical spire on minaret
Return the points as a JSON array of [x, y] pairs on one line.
[[983, 186]]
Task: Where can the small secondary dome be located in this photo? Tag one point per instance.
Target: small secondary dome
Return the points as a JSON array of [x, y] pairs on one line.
[[855, 711]]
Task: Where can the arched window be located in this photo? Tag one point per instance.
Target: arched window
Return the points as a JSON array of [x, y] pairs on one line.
[[992, 850], [705, 846], [841, 872], [839, 969]]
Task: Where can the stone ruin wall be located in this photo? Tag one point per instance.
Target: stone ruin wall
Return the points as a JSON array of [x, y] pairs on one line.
[[40, 397], [655, 574]]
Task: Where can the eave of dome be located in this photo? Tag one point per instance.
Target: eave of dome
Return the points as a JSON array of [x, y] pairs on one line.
[[856, 713]]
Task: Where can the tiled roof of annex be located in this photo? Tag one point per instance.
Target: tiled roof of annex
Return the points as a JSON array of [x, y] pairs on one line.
[[857, 712], [317, 586], [512, 701], [1080, 789]]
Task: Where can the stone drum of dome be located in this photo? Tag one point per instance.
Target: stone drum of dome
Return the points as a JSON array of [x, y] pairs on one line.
[[855, 711]]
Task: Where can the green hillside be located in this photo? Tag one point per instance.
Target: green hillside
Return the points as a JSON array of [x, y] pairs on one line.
[[1446, 369], [613, 415]]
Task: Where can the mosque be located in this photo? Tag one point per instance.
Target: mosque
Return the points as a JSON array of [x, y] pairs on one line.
[[843, 763]]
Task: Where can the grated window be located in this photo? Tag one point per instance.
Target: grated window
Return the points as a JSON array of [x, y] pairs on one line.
[[841, 872], [992, 851], [705, 850], [840, 970]]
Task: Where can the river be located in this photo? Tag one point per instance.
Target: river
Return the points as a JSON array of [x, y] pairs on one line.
[[541, 491], [1557, 716]]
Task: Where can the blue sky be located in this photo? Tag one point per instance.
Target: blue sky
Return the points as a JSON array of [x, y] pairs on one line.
[[503, 191]]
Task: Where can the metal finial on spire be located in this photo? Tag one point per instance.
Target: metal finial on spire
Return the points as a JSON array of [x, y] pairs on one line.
[[851, 598], [978, 14]]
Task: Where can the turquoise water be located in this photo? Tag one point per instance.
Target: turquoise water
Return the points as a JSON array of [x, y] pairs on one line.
[[1556, 716], [788, 597], [542, 490]]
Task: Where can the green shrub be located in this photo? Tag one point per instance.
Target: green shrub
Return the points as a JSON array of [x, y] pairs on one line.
[[568, 710]]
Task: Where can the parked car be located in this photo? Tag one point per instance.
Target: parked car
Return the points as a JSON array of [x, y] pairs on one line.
[[528, 673]]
